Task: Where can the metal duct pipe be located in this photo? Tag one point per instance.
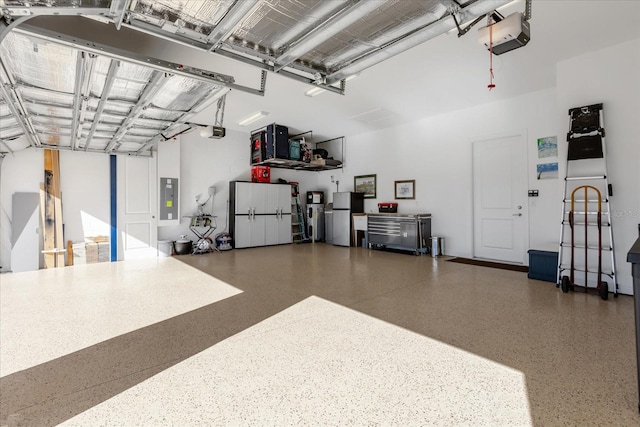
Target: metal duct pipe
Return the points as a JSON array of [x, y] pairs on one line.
[[326, 30], [238, 12], [419, 37], [326, 8], [386, 38]]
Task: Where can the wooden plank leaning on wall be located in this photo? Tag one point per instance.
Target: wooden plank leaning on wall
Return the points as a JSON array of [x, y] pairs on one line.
[[51, 211]]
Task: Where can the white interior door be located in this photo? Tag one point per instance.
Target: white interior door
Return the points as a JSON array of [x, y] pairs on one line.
[[137, 206], [500, 198]]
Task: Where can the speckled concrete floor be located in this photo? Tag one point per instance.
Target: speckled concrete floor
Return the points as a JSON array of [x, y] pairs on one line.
[[310, 335]]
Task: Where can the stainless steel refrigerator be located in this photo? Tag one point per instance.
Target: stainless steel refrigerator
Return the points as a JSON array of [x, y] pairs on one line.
[[344, 204]]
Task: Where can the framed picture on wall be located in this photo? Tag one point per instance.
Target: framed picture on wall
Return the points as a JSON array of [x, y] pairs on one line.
[[405, 189], [365, 184]]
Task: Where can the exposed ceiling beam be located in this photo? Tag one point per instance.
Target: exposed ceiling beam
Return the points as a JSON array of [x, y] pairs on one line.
[[430, 31], [118, 10], [84, 70], [111, 75], [19, 11], [236, 14], [324, 31], [121, 53], [155, 84], [212, 96], [10, 94], [285, 73]]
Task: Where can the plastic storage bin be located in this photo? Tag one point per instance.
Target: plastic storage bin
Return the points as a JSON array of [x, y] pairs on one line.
[[543, 265]]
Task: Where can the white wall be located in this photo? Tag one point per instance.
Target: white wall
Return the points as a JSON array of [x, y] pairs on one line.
[[21, 172], [215, 162], [84, 185], [85, 190], [612, 77], [436, 152]]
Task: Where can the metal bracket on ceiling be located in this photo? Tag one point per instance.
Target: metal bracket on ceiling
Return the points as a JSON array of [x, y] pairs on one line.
[[219, 118], [465, 30]]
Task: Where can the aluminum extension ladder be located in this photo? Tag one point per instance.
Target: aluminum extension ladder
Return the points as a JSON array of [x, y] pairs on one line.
[[298, 229], [586, 177]]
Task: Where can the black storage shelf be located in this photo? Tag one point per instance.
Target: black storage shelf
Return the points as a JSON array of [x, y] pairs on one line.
[[273, 138], [296, 165]]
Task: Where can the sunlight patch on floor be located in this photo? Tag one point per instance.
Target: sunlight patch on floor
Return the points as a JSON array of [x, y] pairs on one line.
[[46, 314], [319, 363]]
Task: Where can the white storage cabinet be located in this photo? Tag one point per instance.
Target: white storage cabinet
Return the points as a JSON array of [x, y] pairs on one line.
[[259, 214]]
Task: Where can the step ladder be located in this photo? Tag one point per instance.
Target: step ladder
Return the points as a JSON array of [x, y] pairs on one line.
[[298, 229], [585, 208]]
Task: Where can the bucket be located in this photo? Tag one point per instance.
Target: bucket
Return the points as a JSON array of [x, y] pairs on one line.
[[437, 246], [183, 245], [165, 248]]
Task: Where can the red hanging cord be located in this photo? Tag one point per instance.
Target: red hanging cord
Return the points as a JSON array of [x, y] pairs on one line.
[[491, 85]]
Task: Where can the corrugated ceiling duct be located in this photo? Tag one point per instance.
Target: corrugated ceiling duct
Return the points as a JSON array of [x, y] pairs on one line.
[[430, 31], [196, 15], [378, 39], [299, 23], [328, 29]]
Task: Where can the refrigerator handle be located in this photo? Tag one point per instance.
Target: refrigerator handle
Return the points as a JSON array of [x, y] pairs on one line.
[[249, 214]]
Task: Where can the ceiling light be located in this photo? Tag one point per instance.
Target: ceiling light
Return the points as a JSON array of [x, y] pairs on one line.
[[253, 118], [314, 91]]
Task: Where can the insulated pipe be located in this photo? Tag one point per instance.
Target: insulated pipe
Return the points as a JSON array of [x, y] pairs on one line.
[[326, 30], [238, 12], [420, 36], [325, 9]]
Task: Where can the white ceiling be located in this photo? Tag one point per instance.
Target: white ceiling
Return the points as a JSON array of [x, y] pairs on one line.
[[441, 75]]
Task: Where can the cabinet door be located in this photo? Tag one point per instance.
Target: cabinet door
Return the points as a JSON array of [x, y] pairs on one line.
[[249, 231], [271, 229], [284, 230], [242, 233], [250, 198], [243, 198], [284, 198], [258, 227], [272, 194]]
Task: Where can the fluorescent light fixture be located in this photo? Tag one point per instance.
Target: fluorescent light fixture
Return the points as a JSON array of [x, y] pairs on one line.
[[317, 90], [314, 91], [253, 118]]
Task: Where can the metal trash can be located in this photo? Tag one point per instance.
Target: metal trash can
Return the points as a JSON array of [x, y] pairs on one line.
[[437, 246], [165, 248]]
